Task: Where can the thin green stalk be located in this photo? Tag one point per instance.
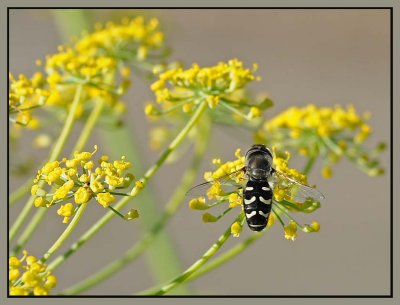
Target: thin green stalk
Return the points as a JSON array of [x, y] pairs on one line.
[[227, 256], [89, 125], [162, 289], [170, 209], [65, 234], [20, 192], [82, 140], [134, 192], [59, 145]]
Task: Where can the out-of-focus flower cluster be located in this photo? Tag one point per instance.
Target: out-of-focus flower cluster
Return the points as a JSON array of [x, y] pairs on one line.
[[28, 276], [81, 179], [26, 94], [226, 186], [330, 132], [98, 60]]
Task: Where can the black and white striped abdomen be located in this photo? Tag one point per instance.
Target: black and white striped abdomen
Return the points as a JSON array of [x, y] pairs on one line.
[[257, 199]]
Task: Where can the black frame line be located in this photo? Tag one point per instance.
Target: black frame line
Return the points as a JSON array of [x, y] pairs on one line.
[[215, 8]]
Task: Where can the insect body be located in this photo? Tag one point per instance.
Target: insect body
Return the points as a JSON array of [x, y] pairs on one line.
[[258, 191], [257, 194]]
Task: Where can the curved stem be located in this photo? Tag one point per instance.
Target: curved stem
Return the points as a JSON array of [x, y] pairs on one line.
[[84, 136], [59, 145], [134, 192], [65, 234], [170, 209], [227, 256], [160, 290]]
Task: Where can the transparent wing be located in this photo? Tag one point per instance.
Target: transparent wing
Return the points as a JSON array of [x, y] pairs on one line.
[[227, 182], [298, 191]]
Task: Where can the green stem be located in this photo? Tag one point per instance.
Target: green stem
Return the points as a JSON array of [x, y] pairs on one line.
[[227, 256], [89, 125], [134, 192], [137, 249], [160, 290], [65, 234], [20, 192], [84, 136], [62, 139]]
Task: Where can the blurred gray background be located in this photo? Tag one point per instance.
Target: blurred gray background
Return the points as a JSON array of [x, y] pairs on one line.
[[325, 57]]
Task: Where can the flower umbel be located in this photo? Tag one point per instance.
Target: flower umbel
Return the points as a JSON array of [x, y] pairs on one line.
[[28, 276], [25, 95], [80, 179], [330, 132], [219, 86], [227, 183]]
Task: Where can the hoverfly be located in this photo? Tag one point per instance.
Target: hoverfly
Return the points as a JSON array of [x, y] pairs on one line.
[[258, 191]]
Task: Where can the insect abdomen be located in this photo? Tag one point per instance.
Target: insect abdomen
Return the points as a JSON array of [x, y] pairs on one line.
[[257, 201]]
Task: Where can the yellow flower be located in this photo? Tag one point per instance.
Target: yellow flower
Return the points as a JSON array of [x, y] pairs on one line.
[[105, 199], [236, 228], [82, 195], [291, 230], [198, 204], [215, 190], [63, 191], [66, 210], [96, 186], [234, 200]]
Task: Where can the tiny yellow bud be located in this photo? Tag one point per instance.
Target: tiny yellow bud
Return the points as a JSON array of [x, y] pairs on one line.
[[198, 204], [150, 110], [82, 195], [326, 172], [290, 230], [40, 202], [51, 282], [13, 274], [315, 226], [105, 199], [132, 214], [139, 184], [14, 262], [38, 290], [236, 228]]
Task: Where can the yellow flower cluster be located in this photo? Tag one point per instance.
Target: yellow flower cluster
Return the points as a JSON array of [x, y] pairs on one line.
[[79, 178], [28, 276], [331, 132], [215, 85], [322, 121], [231, 175], [130, 38], [282, 189], [94, 59], [26, 94], [68, 65]]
